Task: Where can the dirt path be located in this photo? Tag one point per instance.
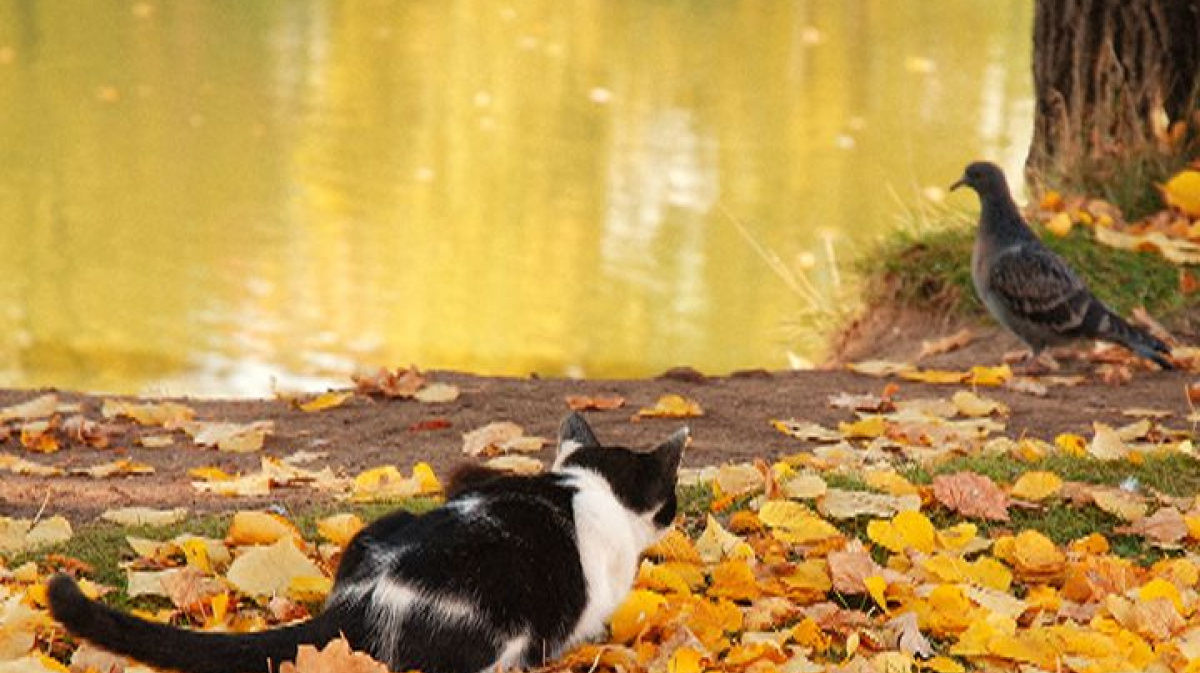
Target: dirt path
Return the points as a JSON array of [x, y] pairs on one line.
[[366, 433]]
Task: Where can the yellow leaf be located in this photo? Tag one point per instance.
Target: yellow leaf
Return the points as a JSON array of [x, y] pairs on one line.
[[267, 571], [638, 611], [671, 406], [340, 528], [876, 586], [934, 376], [220, 609], [662, 579], [795, 522], [906, 529], [167, 414], [972, 405], [1071, 444], [209, 474], [686, 660], [1060, 224], [254, 528], [1037, 486], [889, 482], [989, 376], [716, 544], [940, 664], [309, 588], [733, 579], [867, 428], [1035, 553], [1161, 588], [144, 516], [1182, 191], [327, 400], [196, 553], [958, 536]]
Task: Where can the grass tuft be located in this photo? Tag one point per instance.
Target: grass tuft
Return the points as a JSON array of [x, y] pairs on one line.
[[929, 269]]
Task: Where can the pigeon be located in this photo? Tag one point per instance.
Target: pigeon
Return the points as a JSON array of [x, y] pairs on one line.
[[1030, 290]]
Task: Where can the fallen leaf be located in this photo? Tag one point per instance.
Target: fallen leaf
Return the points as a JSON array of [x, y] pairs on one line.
[[671, 406], [971, 494], [400, 383], [489, 439], [144, 516], [946, 344], [121, 466], [595, 403], [39, 407], [436, 393], [230, 437], [326, 400], [843, 504], [268, 570], [1182, 192], [1165, 527], [429, 425], [1106, 444], [166, 414], [516, 464], [1036, 486], [807, 431], [880, 367], [1123, 505], [340, 528], [260, 528], [336, 657], [974, 406]]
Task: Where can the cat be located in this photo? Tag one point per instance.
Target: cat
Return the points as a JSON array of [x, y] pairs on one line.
[[509, 572]]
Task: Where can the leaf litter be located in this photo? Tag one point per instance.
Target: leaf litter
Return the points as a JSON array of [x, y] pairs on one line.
[[782, 571]]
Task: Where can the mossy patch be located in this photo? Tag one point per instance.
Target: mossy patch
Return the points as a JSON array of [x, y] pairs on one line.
[[930, 269]]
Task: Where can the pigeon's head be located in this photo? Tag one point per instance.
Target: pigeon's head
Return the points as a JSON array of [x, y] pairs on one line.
[[984, 177]]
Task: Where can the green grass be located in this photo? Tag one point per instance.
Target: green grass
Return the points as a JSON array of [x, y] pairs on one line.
[[103, 546], [928, 268], [1174, 474]]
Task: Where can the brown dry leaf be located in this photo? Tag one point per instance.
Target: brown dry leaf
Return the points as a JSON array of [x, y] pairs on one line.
[[516, 464], [671, 406], [489, 439], [121, 466], [595, 402], [327, 400], [230, 437], [738, 479], [1027, 386], [971, 495], [1164, 527], [39, 407], [166, 414], [400, 383], [807, 431], [90, 433], [1107, 444], [843, 504], [437, 393], [335, 658], [862, 402], [1121, 504], [946, 344]]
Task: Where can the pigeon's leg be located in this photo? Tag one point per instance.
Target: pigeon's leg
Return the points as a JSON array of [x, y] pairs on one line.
[[1037, 360]]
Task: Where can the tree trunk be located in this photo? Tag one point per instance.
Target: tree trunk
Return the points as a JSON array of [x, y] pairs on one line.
[[1114, 79]]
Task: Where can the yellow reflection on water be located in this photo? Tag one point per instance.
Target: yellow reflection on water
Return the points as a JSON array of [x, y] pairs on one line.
[[211, 197]]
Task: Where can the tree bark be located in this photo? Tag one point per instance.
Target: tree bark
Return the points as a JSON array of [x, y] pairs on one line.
[[1112, 80]]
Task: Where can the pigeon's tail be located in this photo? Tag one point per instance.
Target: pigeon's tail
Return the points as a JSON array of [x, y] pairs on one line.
[[165, 646], [1116, 329]]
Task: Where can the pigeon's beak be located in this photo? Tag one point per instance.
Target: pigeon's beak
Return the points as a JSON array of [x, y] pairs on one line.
[[962, 182]]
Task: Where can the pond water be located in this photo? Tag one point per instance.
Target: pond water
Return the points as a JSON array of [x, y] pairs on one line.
[[221, 197]]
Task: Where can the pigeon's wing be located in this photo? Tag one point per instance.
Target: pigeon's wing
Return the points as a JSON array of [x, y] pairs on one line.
[[1038, 288]]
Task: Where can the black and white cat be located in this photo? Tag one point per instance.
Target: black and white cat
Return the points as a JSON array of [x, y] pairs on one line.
[[508, 573]]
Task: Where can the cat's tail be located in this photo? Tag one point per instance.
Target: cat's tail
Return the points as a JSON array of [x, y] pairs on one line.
[[168, 647]]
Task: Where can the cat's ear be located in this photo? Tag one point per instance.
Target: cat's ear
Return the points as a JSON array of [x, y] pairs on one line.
[[573, 434], [575, 429], [670, 452]]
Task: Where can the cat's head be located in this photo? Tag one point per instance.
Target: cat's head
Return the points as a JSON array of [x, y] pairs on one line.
[[644, 481]]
